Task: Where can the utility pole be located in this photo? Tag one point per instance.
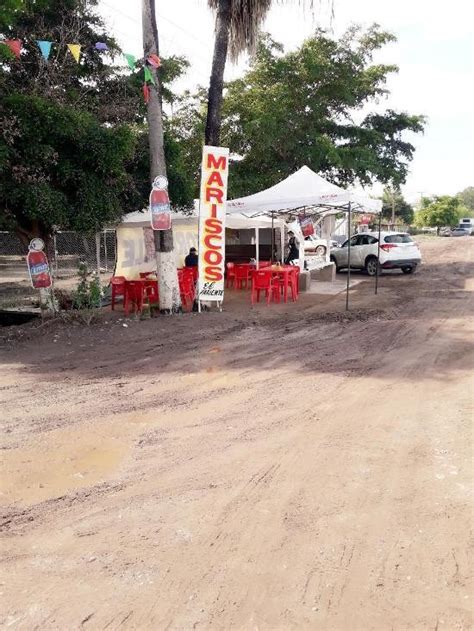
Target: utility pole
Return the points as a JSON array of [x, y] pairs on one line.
[[165, 258], [393, 205]]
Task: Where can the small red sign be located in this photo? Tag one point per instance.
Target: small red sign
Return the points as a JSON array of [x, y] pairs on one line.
[[307, 226], [160, 209], [38, 267]]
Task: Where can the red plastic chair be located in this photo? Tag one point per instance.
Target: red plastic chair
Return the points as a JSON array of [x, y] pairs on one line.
[[262, 281], [151, 291], [186, 288], [118, 288], [241, 276], [263, 264], [144, 275], [294, 282], [230, 275], [134, 295]]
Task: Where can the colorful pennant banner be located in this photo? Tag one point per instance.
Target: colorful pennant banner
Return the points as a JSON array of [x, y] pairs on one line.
[[148, 75], [131, 60], [45, 47], [14, 45], [75, 51], [154, 60]]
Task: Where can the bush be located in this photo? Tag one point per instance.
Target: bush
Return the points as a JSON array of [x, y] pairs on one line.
[[88, 294]]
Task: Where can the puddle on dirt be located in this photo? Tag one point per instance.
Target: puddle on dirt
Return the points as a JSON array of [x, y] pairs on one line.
[[69, 458], [61, 461]]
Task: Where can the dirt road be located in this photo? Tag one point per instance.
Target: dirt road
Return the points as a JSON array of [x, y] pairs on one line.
[[281, 468]]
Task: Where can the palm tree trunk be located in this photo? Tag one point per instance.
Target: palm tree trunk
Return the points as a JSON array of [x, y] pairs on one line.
[[216, 84], [165, 258]]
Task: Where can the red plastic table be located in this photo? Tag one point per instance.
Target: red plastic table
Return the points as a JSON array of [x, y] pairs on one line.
[[283, 272]]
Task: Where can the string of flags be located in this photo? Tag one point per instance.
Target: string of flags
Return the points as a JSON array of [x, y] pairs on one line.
[[44, 46]]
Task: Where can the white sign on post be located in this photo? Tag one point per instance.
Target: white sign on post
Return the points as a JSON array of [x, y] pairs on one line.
[[212, 207]]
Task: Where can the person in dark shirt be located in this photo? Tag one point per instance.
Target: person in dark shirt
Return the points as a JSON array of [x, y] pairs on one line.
[[192, 259], [293, 248]]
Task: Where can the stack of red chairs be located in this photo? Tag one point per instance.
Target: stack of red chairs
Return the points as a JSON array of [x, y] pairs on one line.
[[117, 284], [194, 270], [262, 281], [186, 286], [134, 296]]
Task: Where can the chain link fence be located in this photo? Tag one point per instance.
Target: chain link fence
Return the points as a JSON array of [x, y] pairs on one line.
[[66, 251]]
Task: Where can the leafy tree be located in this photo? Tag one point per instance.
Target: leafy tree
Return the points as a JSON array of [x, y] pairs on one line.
[[467, 199], [65, 157], [305, 107], [59, 166], [393, 202], [439, 211], [300, 108], [8, 11]]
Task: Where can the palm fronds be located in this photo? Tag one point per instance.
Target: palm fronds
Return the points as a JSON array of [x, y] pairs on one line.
[[246, 18]]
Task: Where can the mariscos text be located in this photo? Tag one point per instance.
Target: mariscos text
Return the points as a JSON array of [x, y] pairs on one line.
[[212, 222]]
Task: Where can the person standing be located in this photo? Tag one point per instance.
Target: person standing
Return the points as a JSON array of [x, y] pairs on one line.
[[192, 258], [293, 248]]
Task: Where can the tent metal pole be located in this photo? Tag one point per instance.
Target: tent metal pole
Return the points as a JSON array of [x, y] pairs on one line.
[[257, 246], [349, 221], [282, 244], [273, 237], [378, 254]]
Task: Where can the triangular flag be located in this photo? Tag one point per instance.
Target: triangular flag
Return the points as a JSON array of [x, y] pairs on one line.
[[131, 59], [154, 60], [146, 92], [75, 51], [45, 47], [148, 75], [14, 45], [101, 46]]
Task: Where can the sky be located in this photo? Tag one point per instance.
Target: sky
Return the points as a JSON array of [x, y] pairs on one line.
[[434, 52]]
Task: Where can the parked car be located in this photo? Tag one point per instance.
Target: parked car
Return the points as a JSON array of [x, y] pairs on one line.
[[397, 251], [460, 231], [315, 245]]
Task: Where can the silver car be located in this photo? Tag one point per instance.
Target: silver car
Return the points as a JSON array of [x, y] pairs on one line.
[[397, 251]]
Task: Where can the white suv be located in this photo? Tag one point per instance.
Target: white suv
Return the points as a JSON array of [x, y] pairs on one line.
[[397, 251]]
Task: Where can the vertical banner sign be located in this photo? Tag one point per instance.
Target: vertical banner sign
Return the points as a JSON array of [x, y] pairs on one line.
[[212, 207], [38, 265], [160, 210]]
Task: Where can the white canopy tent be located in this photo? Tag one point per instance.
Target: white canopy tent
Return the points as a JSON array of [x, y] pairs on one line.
[[306, 191]]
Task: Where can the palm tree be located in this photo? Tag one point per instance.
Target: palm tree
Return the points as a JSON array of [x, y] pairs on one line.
[[237, 26]]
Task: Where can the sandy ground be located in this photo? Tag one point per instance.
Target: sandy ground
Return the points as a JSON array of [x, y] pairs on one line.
[[288, 467]]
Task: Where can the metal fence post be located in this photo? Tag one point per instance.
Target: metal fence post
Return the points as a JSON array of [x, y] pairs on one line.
[[97, 252]]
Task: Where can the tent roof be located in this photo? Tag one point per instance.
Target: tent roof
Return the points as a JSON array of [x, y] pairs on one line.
[[236, 221], [303, 189]]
